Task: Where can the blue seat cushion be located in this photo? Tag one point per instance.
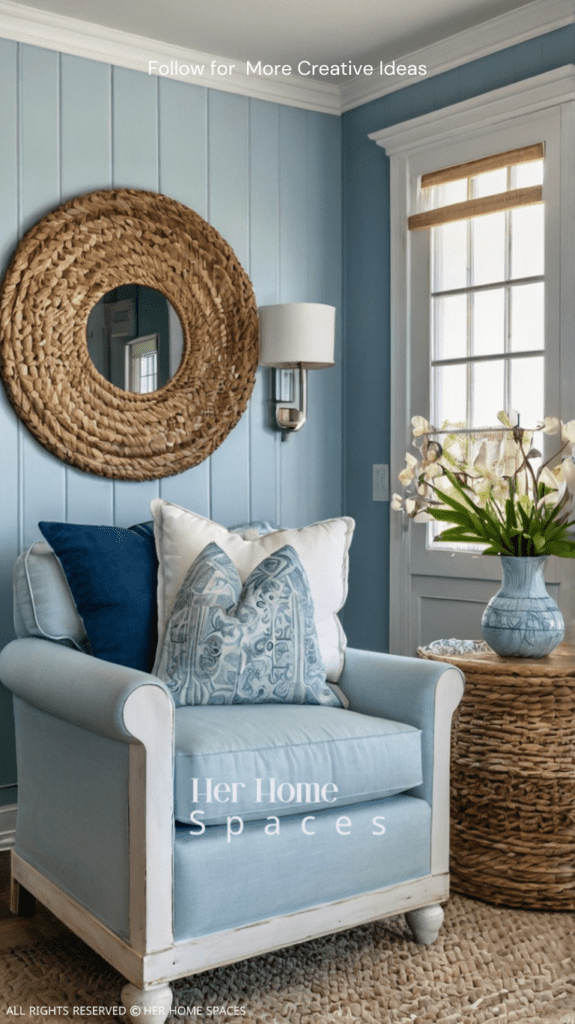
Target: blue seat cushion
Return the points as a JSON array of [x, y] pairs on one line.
[[306, 757], [296, 863]]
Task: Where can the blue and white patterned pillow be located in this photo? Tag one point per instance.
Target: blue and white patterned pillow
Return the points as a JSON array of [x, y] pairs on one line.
[[228, 644]]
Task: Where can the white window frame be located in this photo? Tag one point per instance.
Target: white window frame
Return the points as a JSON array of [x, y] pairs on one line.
[[455, 134], [129, 359]]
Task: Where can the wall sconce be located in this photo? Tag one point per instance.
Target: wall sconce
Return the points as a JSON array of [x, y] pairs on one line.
[[295, 335]]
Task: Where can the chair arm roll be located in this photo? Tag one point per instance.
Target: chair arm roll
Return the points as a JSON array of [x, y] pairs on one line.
[[390, 686], [420, 693], [78, 688]]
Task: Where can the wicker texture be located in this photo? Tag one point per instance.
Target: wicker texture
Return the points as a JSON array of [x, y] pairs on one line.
[[62, 267], [513, 780], [488, 966]]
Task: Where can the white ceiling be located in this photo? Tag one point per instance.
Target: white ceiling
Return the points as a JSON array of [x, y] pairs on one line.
[[287, 31]]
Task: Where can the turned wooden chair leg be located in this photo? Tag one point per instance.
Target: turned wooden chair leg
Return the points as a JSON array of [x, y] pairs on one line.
[[425, 923], [150, 1004], [22, 903]]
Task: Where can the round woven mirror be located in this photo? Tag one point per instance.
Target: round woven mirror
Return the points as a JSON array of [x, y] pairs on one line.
[[62, 268]]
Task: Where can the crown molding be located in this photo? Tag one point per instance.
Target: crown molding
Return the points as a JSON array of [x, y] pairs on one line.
[[534, 19], [123, 49], [485, 110]]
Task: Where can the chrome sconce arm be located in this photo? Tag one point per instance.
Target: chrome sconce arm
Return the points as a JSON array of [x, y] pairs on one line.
[[290, 418]]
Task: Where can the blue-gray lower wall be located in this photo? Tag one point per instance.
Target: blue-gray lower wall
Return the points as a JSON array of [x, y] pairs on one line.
[[268, 177], [367, 322]]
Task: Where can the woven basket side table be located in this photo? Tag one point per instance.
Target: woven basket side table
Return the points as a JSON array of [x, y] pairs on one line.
[[513, 780]]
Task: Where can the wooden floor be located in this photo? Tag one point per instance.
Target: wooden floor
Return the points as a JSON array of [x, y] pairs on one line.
[[20, 931]]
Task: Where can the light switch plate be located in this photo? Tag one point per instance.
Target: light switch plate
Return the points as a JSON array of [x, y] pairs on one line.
[[381, 482]]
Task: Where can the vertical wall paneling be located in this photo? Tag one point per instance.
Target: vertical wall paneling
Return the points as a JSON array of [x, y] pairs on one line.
[[228, 171], [9, 427], [86, 165], [293, 180], [8, 151], [86, 144], [183, 127], [264, 272], [134, 130], [43, 475], [69, 126], [324, 437], [135, 164], [183, 122]]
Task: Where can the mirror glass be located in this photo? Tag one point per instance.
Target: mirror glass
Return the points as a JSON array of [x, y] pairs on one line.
[[135, 338]]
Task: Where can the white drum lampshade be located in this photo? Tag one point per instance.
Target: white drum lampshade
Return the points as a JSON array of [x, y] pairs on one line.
[[297, 334]]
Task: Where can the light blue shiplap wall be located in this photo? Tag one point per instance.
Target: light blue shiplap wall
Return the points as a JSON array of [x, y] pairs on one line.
[[367, 301], [268, 177]]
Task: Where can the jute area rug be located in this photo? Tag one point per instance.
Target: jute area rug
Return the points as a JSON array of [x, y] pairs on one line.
[[488, 965]]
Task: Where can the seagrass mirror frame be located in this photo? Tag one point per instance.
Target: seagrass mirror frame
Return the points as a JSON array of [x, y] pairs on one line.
[[61, 268]]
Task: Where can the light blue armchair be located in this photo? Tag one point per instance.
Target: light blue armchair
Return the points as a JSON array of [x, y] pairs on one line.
[[349, 821]]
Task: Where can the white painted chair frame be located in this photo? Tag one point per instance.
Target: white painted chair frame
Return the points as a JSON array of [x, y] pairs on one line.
[[151, 958]]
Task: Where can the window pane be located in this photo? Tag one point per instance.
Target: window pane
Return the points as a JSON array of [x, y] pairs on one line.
[[488, 337], [527, 384], [450, 395], [488, 248], [491, 182], [527, 245], [450, 192], [529, 174], [527, 317], [488, 393], [450, 256], [450, 327]]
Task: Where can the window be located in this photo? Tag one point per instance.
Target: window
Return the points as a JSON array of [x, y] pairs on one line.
[[142, 364], [487, 298]]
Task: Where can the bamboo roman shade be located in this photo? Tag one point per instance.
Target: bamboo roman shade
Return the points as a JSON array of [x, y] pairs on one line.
[[484, 204]]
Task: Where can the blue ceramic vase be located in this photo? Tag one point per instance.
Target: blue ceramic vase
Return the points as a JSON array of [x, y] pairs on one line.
[[521, 620]]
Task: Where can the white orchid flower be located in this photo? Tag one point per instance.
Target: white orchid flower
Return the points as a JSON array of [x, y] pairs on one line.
[[549, 477], [551, 425], [568, 432], [568, 472], [407, 474], [510, 454], [433, 470], [420, 426], [552, 478], [480, 461], [397, 502]]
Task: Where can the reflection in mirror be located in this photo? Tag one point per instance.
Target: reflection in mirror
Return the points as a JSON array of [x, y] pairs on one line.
[[135, 338]]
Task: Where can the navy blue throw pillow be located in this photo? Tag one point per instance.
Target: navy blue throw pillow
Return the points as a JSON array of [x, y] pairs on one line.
[[112, 574]]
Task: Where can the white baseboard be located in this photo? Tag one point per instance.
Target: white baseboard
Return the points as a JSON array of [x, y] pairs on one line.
[[7, 826]]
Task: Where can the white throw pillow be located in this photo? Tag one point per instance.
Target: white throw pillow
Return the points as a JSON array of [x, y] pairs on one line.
[[322, 548]]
